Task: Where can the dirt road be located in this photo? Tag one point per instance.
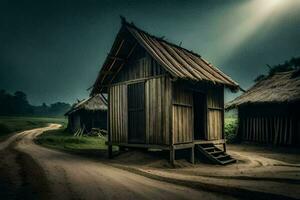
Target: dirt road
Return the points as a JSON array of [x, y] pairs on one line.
[[74, 177]]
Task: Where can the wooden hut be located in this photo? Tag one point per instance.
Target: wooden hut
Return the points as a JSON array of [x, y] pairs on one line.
[[87, 114], [162, 96], [269, 112]]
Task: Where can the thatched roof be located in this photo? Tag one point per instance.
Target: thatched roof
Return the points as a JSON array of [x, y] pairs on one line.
[[179, 62], [279, 88], [95, 103]]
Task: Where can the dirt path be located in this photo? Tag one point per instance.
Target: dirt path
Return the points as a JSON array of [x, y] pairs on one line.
[[73, 177]]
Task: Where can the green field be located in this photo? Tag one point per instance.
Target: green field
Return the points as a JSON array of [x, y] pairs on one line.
[[63, 140], [9, 124]]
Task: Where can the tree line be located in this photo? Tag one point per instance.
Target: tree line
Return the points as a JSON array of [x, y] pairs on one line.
[[17, 104]]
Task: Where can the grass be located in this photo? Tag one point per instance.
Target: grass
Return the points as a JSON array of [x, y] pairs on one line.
[[62, 140], [10, 124], [230, 129]]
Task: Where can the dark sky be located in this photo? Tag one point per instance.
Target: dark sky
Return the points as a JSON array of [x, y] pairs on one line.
[[53, 49]]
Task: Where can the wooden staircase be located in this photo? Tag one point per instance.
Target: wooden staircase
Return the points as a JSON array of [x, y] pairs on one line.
[[214, 154]]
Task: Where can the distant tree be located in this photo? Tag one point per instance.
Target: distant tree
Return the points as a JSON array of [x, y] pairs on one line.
[[21, 105], [59, 108], [17, 104], [4, 102], [292, 64]]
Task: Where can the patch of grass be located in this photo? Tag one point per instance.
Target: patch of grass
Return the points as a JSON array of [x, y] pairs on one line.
[[230, 129], [63, 140], [10, 124]]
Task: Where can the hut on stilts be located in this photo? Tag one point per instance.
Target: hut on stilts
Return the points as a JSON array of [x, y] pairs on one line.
[[88, 114], [163, 96], [269, 112]]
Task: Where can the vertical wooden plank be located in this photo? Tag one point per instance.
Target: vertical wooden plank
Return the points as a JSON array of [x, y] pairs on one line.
[[290, 132], [120, 112], [155, 124], [108, 115], [267, 129], [263, 129], [147, 102], [121, 119], [285, 130], [117, 114], [171, 141], [276, 128], [179, 130], [151, 109], [250, 129], [124, 113], [280, 130], [159, 111], [114, 114], [255, 129]]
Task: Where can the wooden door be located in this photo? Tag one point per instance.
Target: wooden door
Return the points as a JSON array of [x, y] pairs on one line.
[[136, 113], [199, 105]]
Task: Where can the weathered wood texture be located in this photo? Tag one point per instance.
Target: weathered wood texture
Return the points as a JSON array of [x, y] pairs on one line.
[[118, 113], [158, 99], [156, 119], [136, 113], [74, 122], [182, 115], [140, 65], [270, 124], [215, 113], [183, 112]]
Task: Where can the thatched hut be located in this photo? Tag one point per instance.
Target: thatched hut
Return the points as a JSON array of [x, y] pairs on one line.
[[87, 114], [163, 96], [269, 112]]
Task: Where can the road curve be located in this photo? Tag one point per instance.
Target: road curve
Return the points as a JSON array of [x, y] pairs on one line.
[[74, 177]]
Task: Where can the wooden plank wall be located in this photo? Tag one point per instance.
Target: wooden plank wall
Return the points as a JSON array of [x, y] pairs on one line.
[[277, 130], [158, 99], [118, 113], [215, 112], [141, 65], [182, 115], [276, 124], [136, 112]]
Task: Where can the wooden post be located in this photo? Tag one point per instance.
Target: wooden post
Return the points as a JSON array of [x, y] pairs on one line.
[[171, 136], [108, 124], [172, 156], [192, 159]]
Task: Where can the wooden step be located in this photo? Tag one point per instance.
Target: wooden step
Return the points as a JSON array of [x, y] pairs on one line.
[[209, 148], [214, 154], [226, 162], [224, 156]]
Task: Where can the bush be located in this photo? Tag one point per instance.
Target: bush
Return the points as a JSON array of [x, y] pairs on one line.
[[231, 130]]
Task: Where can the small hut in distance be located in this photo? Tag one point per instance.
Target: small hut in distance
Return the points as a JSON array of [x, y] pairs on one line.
[[163, 96], [269, 112], [87, 114]]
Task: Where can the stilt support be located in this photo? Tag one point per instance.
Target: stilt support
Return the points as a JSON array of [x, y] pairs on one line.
[[172, 156], [192, 159], [224, 147]]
